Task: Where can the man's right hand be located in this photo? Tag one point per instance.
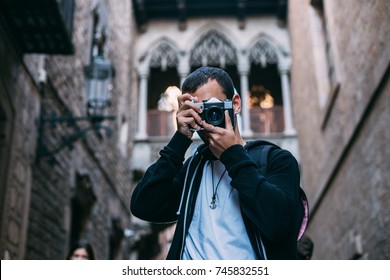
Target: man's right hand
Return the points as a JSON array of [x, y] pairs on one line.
[[187, 117]]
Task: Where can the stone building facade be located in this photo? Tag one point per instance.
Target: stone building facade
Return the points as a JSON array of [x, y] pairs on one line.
[[81, 193], [341, 94], [314, 78]]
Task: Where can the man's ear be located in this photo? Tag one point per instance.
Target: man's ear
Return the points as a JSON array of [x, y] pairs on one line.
[[236, 103]]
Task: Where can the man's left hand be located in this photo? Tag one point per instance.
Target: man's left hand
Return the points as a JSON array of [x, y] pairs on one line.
[[220, 139]]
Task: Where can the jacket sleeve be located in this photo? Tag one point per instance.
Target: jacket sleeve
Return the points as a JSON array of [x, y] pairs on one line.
[[269, 201], [157, 195]]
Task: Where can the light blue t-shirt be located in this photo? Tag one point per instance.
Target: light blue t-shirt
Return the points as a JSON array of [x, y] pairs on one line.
[[217, 234]]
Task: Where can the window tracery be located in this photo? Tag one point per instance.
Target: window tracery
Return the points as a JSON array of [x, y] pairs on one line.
[[164, 56], [213, 49], [263, 53]]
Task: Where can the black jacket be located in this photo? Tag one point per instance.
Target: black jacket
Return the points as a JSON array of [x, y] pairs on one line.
[[270, 204]]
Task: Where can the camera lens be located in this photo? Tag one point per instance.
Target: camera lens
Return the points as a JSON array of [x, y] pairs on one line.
[[214, 116]]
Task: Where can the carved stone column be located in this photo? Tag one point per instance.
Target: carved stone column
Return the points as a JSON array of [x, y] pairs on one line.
[[284, 69], [184, 67], [243, 69], [143, 103]]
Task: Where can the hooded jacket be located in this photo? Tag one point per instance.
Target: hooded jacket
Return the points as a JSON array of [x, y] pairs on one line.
[[270, 205]]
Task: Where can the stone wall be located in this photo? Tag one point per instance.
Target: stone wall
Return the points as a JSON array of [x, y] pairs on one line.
[[21, 101], [343, 140], [37, 214]]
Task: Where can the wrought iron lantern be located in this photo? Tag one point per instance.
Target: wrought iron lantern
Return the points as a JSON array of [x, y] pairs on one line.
[[98, 77]]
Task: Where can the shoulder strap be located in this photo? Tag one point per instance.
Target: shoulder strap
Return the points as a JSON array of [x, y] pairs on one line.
[[263, 160], [260, 155]]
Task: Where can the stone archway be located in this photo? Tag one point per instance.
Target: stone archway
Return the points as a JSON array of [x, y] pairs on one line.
[[214, 48], [267, 65], [265, 93], [157, 72]]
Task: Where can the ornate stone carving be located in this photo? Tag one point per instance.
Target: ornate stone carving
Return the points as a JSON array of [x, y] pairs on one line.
[[164, 56], [213, 49], [263, 53]]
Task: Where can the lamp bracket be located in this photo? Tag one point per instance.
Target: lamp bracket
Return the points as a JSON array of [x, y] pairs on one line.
[[67, 141]]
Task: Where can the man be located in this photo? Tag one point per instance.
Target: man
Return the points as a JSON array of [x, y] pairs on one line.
[[224, 207]]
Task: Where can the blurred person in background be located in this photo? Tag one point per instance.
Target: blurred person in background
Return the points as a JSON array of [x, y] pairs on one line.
[[81, 250]]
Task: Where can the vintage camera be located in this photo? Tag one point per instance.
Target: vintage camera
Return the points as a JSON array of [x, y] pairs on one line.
[[213, 111]]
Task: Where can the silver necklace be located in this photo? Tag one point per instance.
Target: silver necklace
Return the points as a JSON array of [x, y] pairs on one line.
[[213, 203]]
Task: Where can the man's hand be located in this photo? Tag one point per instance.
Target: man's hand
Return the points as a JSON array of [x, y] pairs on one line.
[[219, 139], [187, 117]]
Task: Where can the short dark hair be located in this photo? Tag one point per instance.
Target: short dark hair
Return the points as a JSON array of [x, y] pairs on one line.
[[203, 74]]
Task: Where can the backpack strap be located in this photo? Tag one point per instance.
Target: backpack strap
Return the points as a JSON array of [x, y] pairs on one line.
[[264, 151], [260, 155]]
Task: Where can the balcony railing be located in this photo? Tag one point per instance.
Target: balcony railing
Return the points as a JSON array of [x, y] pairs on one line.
[[263, 121], [160, 123], [267, 121]]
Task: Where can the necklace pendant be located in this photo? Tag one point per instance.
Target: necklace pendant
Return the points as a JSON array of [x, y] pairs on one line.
[[213, 204]]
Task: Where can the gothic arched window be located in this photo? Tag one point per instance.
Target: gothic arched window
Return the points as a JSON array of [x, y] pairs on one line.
[[163, 57], [213, 49], [263, 53], [163, 76], [265, 93]]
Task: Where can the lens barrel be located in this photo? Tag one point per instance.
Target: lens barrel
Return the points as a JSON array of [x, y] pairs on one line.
[[215, 116]]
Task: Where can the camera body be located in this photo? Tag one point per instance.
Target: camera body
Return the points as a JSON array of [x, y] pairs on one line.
[[213, 111]]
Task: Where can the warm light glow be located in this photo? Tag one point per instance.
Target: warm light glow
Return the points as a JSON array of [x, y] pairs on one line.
[[168, 99], [267, 102]]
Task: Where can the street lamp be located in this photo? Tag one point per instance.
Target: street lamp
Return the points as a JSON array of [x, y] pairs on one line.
[[98, 77]]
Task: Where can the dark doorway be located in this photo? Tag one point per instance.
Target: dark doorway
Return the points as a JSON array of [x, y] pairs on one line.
[[82, 203]]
